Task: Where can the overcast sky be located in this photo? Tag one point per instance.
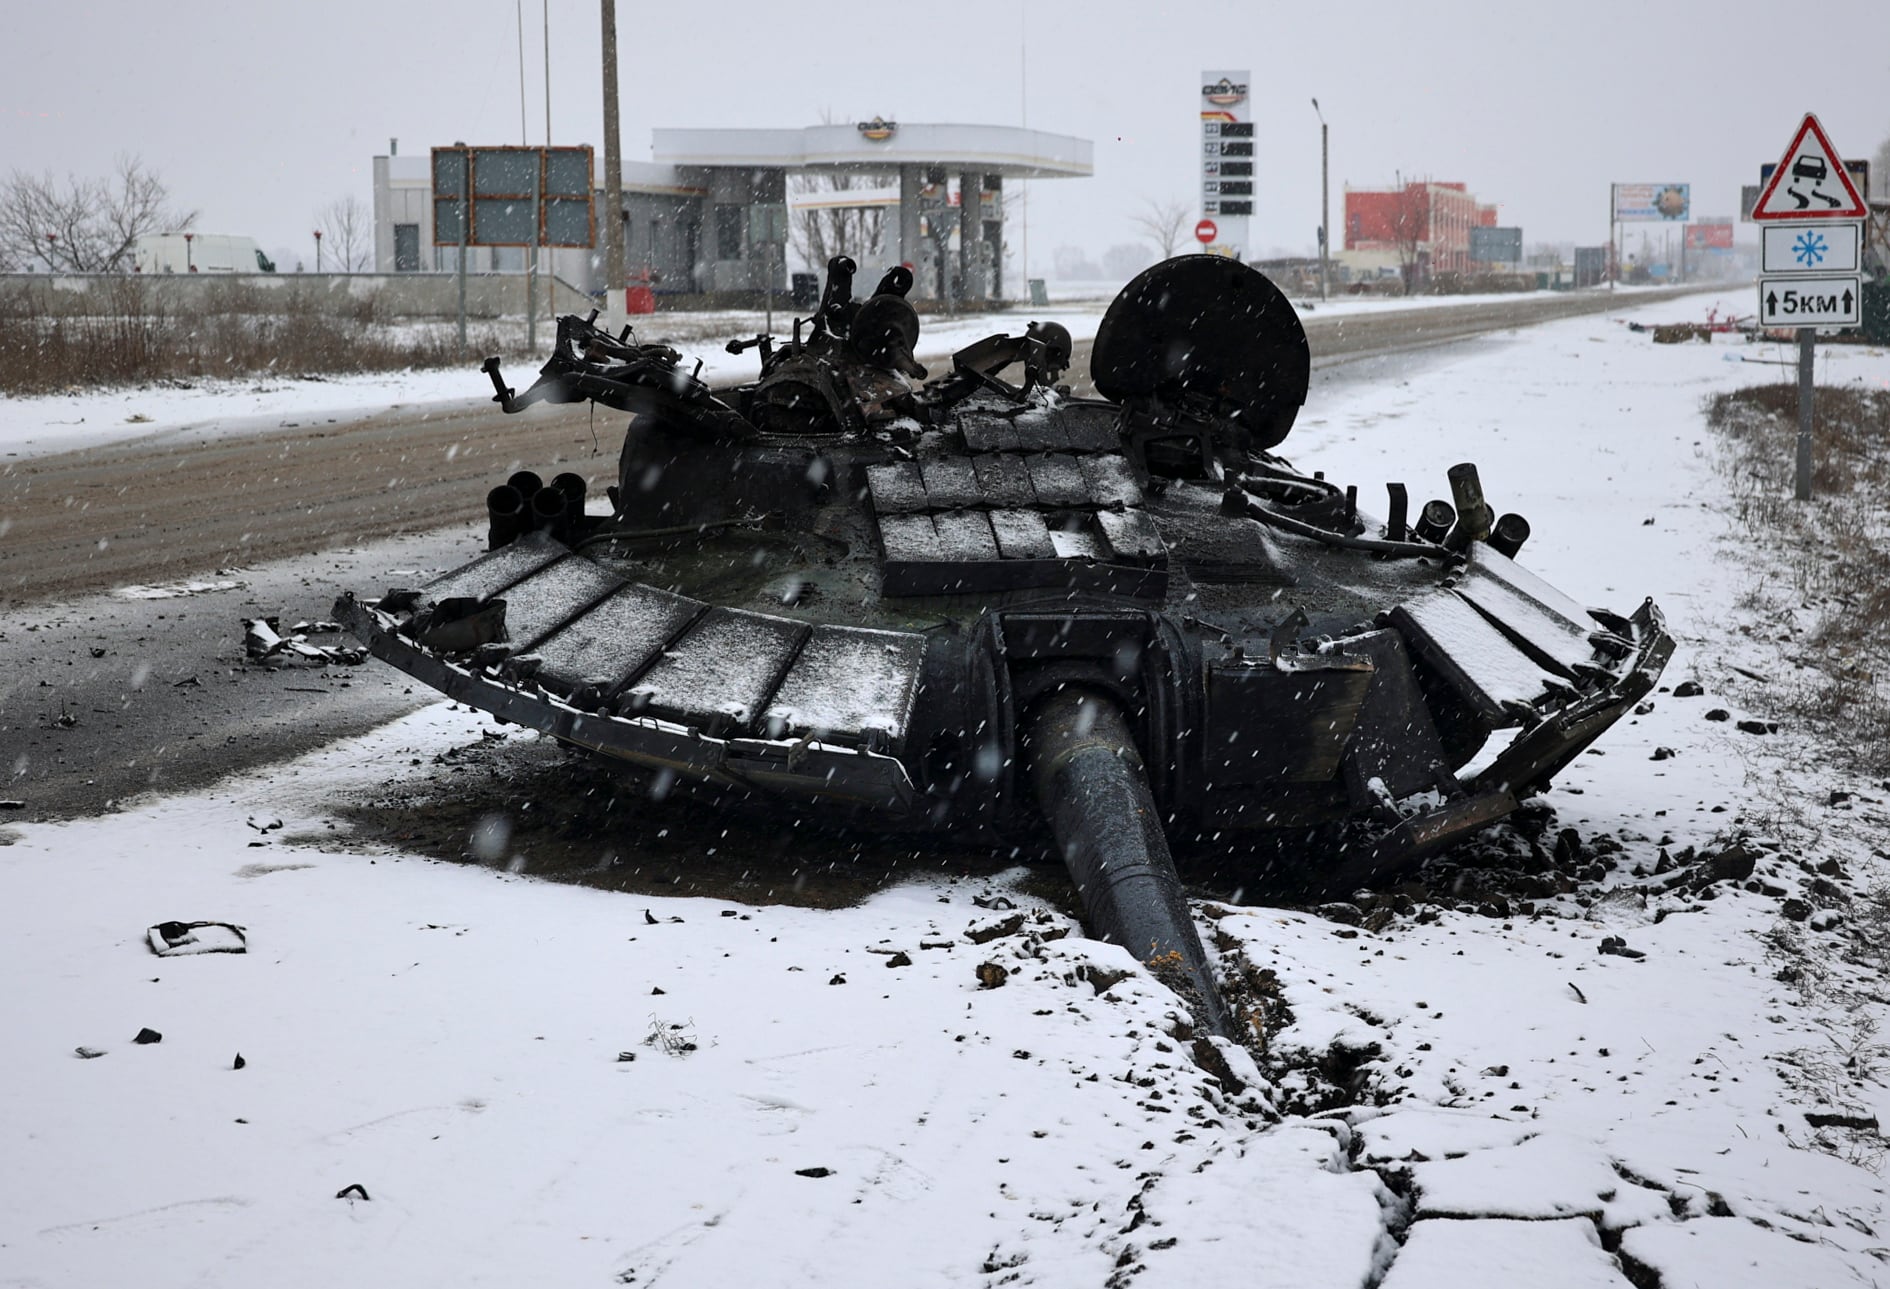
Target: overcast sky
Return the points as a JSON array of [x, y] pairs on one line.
[[258, 115]]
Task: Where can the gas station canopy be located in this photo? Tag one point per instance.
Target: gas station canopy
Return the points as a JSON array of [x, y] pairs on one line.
[[1007, 150]]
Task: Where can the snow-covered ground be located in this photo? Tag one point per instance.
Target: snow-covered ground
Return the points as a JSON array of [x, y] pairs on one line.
[[539, 1084]]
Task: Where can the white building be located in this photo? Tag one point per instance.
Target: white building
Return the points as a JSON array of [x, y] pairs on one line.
[[697, 219]]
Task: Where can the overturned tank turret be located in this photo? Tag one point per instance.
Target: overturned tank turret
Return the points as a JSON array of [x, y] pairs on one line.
[[976, 603]]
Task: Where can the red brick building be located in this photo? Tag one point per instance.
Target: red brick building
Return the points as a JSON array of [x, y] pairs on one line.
[[1432, 222]]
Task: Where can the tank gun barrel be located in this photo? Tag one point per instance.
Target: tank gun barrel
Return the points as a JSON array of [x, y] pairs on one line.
[[1092, 787]]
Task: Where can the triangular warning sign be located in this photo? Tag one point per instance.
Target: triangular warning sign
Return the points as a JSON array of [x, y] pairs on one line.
[[1810, 181]]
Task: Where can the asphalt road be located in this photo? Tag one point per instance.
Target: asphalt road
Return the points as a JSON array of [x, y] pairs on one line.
[[105, 694]]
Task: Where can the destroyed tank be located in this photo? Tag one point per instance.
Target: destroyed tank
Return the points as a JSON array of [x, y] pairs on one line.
[[974, 603]]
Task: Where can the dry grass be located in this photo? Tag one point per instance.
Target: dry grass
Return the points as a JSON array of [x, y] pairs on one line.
[[132, 338], [1830, 594]]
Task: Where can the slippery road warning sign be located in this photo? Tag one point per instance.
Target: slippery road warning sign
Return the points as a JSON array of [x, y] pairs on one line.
[[1810, 181], [1810, 301]]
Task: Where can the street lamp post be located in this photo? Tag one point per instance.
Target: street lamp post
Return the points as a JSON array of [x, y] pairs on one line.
[[1325, 214], [52, 244], [615, 223], [318, 250]]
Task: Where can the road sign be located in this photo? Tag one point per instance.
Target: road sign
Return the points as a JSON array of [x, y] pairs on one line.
[[1821, 248], [1496, 246], [1834, 301], [520, 196], [1810, 181], [1227, 159], [1856, 167]]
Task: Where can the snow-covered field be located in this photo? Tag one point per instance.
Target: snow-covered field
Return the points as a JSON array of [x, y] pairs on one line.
[[453, 1075]]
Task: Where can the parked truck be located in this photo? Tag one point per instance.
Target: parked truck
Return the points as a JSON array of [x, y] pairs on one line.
[[198, 253]]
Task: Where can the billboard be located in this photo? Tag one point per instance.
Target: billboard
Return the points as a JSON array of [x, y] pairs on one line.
[[1496, 245], [1710, 235], [1636, 202], [1227, 162], [519, 196]]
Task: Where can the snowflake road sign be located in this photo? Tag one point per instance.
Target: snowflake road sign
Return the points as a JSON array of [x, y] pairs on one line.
[[1822, 248]]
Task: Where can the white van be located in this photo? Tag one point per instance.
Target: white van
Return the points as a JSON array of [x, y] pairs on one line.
[[198, 253]]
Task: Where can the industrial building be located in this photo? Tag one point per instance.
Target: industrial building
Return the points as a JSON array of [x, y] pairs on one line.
[[1417, 230], [709, 213]]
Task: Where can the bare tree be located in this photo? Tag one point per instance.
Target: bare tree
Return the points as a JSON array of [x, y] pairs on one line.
[[1165, 223], [1880, 166], [818, 233], [1407, 232], [84, 225], [1124, 260], [347, 235]]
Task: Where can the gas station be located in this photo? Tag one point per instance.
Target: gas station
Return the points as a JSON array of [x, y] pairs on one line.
[[709, 213], [941, 185]]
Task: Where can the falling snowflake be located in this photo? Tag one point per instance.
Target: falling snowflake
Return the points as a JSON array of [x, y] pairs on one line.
[[1809, 249]]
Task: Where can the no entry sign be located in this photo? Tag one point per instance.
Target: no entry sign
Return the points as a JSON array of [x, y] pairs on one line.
[[1205, 232]]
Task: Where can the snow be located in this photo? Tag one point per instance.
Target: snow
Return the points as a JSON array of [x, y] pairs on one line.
[[1499, 1254], [1718, 1251], [1436, 1133], [848, 680], [453, 1039], [1223, 1226], [173, 590], [1499, 670], [1544, 1177]]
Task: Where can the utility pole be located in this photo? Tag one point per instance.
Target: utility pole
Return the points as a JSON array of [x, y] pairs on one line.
[[524, 141], [531, 268], [1614, 258], [465, 222], [518, 11], [1023, 119], [551, 278], [612, 223], [1325, 207]]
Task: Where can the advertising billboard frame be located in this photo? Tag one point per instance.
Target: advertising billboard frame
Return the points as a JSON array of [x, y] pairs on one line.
[[499, 179], [1660, 203]]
